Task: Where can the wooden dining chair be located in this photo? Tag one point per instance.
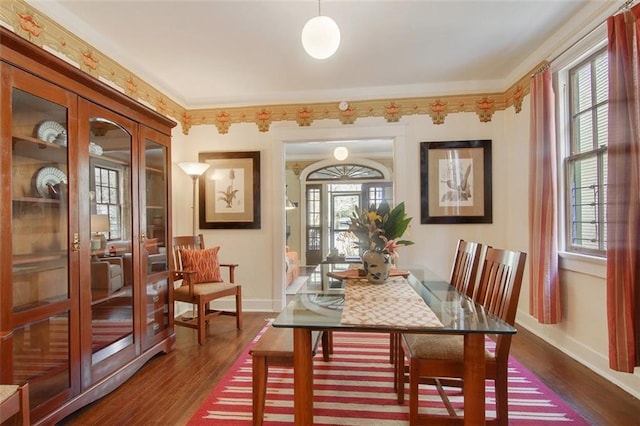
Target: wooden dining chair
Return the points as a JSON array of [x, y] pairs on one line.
[[463, 277], [465, 266], [199, 270], [498, 291]]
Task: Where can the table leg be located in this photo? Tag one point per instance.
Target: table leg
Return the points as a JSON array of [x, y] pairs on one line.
[[302, 377], [474, 378]]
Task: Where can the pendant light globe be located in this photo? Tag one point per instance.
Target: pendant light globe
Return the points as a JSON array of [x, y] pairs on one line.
[[321, 37]]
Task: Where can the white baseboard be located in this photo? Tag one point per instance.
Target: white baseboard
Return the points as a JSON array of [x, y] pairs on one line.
[[586, 356], [248, 305]]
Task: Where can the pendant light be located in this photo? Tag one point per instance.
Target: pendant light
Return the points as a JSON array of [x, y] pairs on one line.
[[340, 153], [320, 36]]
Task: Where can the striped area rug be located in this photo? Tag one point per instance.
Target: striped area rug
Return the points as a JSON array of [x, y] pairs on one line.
[[356, 388]]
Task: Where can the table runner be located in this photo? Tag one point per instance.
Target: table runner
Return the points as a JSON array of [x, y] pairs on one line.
[[393, 303]]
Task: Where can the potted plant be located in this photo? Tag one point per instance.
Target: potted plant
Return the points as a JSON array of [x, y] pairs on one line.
[[379, 231]]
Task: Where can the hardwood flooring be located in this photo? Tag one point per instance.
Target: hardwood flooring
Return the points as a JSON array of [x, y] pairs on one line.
[[169, 388]]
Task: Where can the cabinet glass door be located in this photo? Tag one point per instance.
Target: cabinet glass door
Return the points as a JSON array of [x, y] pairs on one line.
[[157, 248], [38, 304], [109, 192]]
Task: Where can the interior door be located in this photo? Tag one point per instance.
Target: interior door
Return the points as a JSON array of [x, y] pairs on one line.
[[314, 224]]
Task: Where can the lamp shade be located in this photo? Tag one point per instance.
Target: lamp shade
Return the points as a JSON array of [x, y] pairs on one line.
[[341, 153], [288, 205], [321, 37], [193, 168], [99, 223]]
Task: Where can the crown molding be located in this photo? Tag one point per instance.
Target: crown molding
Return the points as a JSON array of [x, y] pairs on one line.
[[32, 25]]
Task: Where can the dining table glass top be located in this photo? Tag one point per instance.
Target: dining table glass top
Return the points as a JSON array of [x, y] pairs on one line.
[[320, 304]]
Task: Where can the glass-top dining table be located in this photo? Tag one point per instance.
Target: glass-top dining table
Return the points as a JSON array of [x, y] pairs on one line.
[[335, 299]]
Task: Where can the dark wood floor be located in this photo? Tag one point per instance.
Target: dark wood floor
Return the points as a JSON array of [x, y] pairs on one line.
[[169, 389]]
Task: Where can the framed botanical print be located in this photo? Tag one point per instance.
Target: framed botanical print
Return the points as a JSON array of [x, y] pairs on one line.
[[230, 190]]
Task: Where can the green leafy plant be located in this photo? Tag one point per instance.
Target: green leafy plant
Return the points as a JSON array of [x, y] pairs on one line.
[[380, 228]]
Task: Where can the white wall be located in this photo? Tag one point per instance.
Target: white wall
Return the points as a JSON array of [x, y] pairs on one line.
[[583, 332]]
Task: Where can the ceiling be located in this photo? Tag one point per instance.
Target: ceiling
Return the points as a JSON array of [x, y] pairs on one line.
[[213, 53]]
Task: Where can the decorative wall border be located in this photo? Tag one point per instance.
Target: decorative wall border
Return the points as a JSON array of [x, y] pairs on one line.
[[39, 29]]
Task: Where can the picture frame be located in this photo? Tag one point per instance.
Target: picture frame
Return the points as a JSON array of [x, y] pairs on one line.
[[230, 190], [456, 182]]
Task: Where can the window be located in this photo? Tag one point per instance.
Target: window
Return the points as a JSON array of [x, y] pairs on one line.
[[345, 172], [586, 160], [107, 183], [314, 225]]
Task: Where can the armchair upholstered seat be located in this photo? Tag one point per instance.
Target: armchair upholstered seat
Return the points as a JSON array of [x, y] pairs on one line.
[[107, 274]]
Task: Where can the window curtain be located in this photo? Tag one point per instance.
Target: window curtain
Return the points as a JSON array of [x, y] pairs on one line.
[[544, 285], [623, 191]]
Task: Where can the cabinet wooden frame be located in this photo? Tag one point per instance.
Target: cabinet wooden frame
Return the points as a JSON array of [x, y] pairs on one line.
[[28, 69]]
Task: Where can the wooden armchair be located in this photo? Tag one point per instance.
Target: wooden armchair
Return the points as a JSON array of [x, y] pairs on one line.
[[199, 270], [432, 361]]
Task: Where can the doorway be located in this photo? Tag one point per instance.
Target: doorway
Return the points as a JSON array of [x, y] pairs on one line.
[[327, 190]]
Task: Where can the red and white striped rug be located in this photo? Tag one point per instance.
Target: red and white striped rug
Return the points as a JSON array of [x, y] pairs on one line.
[[356, 388]]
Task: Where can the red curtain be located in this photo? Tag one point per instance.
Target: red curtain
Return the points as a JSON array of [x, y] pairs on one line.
[[544, 285], [623, 191]]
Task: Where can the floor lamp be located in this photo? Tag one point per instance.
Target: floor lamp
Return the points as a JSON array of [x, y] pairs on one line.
[[195, 170]]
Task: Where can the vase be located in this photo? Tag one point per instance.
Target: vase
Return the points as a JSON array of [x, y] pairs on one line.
[[377, 266]]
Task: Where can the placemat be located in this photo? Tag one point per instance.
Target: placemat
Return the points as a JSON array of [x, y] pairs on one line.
[[393, 303]]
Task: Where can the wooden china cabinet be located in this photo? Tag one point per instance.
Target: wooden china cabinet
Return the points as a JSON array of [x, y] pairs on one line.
[[84, 226]]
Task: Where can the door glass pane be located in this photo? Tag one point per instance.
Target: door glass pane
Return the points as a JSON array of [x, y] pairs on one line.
[[39, 202], [156, 207], [342, 207], [41, 357], [110, 196]]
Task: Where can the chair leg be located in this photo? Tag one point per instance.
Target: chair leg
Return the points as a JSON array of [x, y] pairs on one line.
[[327, 345], [502, 397], [202, 309], [392, 347], [399, 371], [260, 371], [394, 355], [414, 379], [239, 308], [24, 404]]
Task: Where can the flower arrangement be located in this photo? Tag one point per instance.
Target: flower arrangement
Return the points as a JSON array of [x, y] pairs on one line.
[[380, 229]]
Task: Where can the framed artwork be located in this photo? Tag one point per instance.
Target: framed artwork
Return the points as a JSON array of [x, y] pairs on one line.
[[455, 182], [230, 190]]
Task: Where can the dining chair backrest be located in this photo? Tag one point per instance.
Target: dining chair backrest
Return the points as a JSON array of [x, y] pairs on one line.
[[465, 267], [499, 289]]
